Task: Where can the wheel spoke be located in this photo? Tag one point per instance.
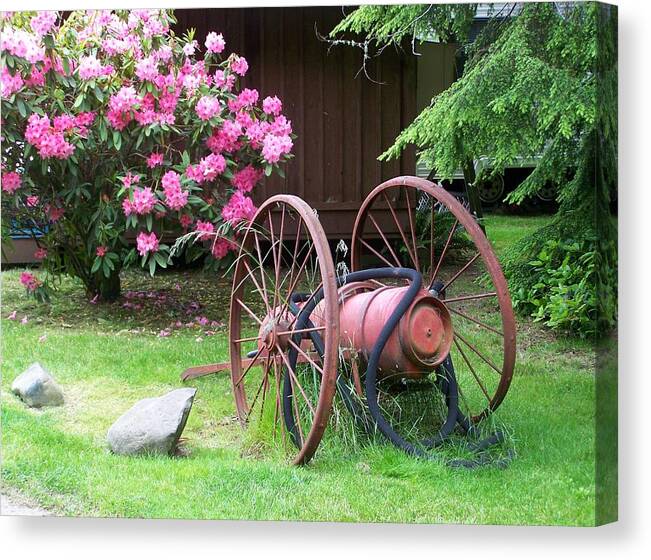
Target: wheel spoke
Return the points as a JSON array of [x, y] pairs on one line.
[[273, 238], [255, 399], [460, 272], [386, 241], [295, 280], [259, 267], [277, 408], [468, 298], [264, 285], [445, 248], [246, 339], [296, 251], [472, 370], [412, 229], [431, 238], [295, 317], [307, 358], [376, 253], [397, 222], [260, 290], [293, 375], [248, 368], [253, 315], [297, 331], [265, 387], [484, 358], [477, 321]]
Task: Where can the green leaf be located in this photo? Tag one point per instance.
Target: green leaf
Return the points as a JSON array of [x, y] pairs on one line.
[[160, 259], [21, 107], [78, 101], [117, 139], [96, 265], [103, 132]]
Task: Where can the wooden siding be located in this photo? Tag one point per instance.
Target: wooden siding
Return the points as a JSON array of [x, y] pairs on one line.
[[343, 121]]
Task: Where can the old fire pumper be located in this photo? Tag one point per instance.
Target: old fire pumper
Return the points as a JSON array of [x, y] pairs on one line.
[[418, 340]]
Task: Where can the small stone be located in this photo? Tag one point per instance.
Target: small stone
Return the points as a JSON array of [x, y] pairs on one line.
[[152, 426], [37, 388]]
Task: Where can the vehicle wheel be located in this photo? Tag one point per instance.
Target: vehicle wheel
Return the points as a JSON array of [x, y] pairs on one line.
[[283, 373], [469, 282]]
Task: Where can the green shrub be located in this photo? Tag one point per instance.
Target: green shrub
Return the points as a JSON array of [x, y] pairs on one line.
[[564, 296]]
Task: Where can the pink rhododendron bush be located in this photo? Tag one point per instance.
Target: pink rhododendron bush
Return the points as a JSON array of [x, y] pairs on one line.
[[118, 137]]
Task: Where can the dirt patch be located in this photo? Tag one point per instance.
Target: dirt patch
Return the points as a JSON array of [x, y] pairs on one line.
[[16, 505]]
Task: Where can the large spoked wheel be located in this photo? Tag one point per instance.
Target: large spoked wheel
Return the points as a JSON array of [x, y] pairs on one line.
[[415, 223], [284, 364]]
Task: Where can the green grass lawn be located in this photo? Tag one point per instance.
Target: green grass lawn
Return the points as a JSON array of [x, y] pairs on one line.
[[107, 357]]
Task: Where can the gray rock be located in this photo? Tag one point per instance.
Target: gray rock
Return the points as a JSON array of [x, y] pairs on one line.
[[36, 387], [152, 425]]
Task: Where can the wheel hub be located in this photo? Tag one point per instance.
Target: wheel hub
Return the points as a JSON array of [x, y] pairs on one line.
[[274, 333]]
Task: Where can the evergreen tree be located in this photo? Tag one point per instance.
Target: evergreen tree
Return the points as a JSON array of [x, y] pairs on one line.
[[540, 80]]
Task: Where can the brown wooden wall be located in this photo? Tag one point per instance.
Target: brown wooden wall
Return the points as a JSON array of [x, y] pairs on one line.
[[343, 122]]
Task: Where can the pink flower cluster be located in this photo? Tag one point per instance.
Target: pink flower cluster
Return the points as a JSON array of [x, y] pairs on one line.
[[55, 213], [245, 179], [154, 159], [40, 253], [175, 197], [42, 22], [186, 221], [90, 67], [9, 83], [167, 104], [147, 69], [246, 98], [274, 147], [190, 47], [23, 44], [226, 138], [220, 248], [215, 43], [239, 207], [111, 43], [206, 228], [29, 281], [10, 182], [129, 179], [121, 106], [207, 107], [239, 65], [48, 141], [272, 105], [143, 202], [207, 169], [146, 243], [223, 80]]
